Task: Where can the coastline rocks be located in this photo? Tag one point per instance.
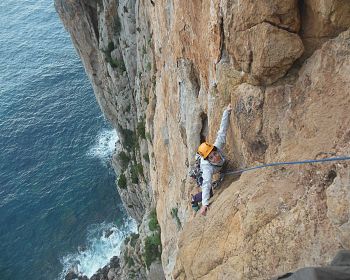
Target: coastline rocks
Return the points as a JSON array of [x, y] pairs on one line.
[[114, 262], [112, 271], [108, 233], [71, 275]]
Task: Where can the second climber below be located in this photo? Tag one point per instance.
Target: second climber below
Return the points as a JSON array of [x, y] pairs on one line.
[[212, 158]]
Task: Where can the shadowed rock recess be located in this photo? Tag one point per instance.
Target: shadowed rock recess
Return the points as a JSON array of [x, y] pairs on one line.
[[163, 71]]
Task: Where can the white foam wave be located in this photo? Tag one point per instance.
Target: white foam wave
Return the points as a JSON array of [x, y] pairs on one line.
[[103, 243], [105, 145]]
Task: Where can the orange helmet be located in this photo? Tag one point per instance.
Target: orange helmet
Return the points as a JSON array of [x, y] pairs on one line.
[[204, 149]]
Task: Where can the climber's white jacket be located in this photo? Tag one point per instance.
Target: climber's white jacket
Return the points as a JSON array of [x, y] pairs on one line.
[[208, 168]]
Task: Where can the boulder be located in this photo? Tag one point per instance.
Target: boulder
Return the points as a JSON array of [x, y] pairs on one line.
[[71, 275], [265, 52]]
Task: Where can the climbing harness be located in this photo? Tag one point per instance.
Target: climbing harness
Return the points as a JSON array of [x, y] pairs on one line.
[[286, 163], [196, 171]]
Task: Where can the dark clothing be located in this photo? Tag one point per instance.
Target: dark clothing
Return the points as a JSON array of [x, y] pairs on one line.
[[197, 198]]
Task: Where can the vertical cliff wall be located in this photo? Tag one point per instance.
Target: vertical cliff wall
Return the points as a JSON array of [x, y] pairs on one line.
[[163, 71], [105, 36]]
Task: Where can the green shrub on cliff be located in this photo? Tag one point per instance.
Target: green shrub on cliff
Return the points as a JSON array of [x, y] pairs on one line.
[[115, 63], [148, 136], [129, 138], [109, 49], [133, 239], [141, 130], [122, 183], [153, 221], [127, 109], [134, 174], [174, 213], [128, 260], [119, 63], [136, 171], [152, 249], [124, 159], [146, 99], [146, 157], [139, 169], [117, 24]]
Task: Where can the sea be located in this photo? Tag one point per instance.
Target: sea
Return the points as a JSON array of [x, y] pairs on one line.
[[59, 207]]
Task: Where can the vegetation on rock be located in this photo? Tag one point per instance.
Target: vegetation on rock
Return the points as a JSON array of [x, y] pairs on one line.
[[141, 130], [174, 214], [124, 159], [153, 221], [122, 183], [153, 248]]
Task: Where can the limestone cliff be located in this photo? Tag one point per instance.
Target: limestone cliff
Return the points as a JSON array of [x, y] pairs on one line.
[[163, 71]]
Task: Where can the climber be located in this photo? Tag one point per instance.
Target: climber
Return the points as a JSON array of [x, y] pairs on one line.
[[212, 159]]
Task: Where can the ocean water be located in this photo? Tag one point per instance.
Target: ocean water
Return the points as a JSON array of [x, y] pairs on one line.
[[57, 193]]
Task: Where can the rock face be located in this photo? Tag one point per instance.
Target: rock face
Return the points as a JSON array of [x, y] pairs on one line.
[[163, 71], [323, 20], [261, 37], [273, 221]]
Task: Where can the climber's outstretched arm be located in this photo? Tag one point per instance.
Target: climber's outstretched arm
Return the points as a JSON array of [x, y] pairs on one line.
[[221, 136]]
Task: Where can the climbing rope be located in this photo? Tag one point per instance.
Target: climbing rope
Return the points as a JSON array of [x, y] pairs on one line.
[[286, 163]]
